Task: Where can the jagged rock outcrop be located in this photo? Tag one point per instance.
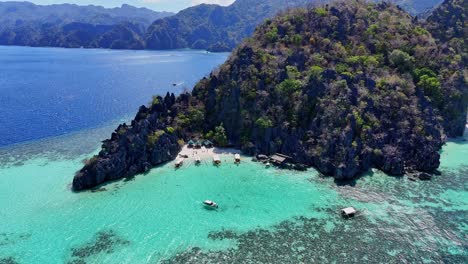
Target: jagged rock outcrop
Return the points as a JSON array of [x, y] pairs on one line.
[[343, 88], [134, 149]]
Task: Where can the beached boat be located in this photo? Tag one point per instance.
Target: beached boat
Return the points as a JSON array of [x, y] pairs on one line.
[[237, 158], [216, 159], [179, 163], [197, 160], [210, 204], [268, 165]]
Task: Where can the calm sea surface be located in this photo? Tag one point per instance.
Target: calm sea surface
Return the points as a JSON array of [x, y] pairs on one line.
[[48, 91], [265, 215]]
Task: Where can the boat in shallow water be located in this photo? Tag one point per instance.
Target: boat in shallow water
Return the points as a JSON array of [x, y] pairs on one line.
[[210, 204], [237, 158]]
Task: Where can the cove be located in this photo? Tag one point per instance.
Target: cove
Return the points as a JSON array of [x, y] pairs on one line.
[[265, 215]]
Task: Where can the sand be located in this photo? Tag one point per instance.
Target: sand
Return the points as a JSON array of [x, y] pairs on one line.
[[208, 153]]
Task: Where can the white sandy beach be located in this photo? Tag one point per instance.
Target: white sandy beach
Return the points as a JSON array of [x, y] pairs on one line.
[[226, 154]]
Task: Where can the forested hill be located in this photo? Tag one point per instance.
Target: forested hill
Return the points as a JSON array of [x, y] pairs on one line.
[[212, 27], [344, 88], [215, 27], [68, 25], [220, 28]]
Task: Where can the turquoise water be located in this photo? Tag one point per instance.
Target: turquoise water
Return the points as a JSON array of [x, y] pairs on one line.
[[265, 215]]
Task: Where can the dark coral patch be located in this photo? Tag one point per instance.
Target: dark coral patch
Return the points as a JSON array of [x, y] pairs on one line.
[[8, 260], [105, 242]]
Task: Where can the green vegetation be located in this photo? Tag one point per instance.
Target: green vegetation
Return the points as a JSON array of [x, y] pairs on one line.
[[219, 136], [272, 35], [264, 122], [288, 87], [350, 83], [321, 11], [155, 100], [402, 60], [153, 138]]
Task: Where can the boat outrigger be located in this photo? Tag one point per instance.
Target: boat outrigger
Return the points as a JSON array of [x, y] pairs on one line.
[[210, 204]]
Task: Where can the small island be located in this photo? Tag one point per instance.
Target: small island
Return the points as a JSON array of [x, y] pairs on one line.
[[343, 88]]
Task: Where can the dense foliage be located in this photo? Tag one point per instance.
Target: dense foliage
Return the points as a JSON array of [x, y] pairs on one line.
[[448, 25], [218, 28], [341, 87]]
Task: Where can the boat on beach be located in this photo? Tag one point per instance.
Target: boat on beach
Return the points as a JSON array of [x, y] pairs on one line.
[[179, 163], [197, 160], [216, 160], [237, 158]]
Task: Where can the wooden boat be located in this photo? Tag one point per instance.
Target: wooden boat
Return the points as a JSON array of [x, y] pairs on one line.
[[210, 204], [179, 163], [216, 160], [237, 158], [197, 160]]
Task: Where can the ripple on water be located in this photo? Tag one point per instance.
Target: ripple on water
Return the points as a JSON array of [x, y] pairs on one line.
[[266, 215]]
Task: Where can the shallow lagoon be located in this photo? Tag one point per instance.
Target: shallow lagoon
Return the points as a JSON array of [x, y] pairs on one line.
[[265, 215]]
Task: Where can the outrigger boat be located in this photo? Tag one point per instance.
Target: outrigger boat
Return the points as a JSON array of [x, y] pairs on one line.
[[179, 163], [216, 160], [210, 204], [237, 158], [197, 160]]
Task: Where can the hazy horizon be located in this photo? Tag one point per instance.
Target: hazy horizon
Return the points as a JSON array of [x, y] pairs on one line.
[[157, 5]]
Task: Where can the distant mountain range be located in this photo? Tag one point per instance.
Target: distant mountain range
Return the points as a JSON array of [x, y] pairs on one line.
[[214, 27], [219, 28], [211, 27], [72, 26]]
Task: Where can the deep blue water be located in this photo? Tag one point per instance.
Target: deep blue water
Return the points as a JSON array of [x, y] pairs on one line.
[[47, 92]]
